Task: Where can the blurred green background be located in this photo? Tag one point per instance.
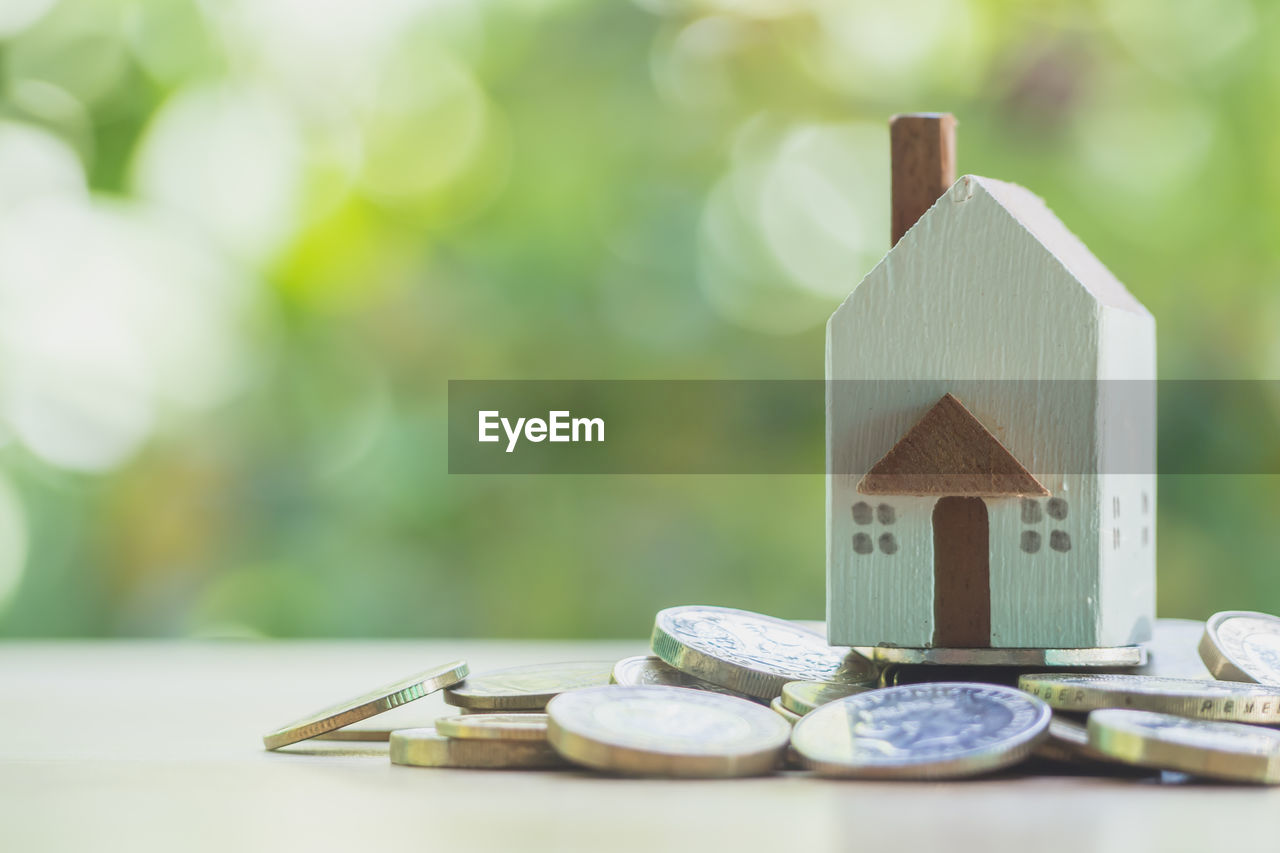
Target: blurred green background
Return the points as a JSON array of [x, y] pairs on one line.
[[245, 243]]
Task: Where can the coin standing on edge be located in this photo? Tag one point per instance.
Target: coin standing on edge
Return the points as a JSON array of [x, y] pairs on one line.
[[751, 653], [1231, 751], [666, 731], [922, 731], [526, 688], [653, 671], [801, 697], [368, 705], [1226, 701], [427, 748], [494, 726], [1241, 645]]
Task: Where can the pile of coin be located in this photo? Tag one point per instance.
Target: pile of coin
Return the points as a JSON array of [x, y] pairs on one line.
[[732, 693]]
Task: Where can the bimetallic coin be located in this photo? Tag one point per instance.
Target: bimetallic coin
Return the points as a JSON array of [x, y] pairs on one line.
[[426, 748], [1231, 751], [750, 653], [366, 706], [651, 670], [666, 731], [801, 697], [1240, 645], [1227, 701], [784, 712], [922, 731], [494, 726], [526, 688], [1116, 656]]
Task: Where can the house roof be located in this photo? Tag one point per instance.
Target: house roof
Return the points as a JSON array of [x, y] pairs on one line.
[[1033, 214], [950, 452]]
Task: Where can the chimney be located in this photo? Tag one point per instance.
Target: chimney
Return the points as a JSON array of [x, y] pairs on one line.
[[923, 154]]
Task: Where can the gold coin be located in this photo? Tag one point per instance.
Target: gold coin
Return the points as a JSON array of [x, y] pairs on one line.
[[666, 731], [1230, 751], [1068, 741], [922, 731], [784, 712], [801, 697], [358, 734], [751, 653], [1227, 701], [1240, 645], [426, 748], [526, 688], [651, 670], [368, 705], [494, 726]]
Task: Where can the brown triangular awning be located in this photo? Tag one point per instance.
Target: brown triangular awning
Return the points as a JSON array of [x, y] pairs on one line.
[[949, 452]]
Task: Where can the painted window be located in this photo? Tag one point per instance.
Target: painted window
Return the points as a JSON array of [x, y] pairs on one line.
[[1030, 542], [1030, 511], [862, 543], [864, 514]]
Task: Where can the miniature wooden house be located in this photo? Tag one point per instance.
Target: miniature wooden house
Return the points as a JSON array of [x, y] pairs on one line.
[[974, 496]]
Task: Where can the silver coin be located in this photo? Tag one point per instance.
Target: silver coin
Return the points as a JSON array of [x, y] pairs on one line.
[[653, 671], [1230, 751], [1227, 701], [922, 731], [666, 731], [1240, 645], [751, 653], [1102, 657]]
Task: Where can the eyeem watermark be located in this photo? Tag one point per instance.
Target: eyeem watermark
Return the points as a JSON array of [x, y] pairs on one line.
[[559, 426]]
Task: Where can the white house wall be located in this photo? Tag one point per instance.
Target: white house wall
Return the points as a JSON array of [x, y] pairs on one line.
[[1127, 512], [967, 294]]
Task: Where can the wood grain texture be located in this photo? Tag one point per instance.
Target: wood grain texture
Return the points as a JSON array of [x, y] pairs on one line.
[[961, 574], [989, 297], [923, 151], [949, 452], [87, 765]]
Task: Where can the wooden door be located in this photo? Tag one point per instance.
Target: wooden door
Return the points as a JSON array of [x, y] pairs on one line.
[[961, 574]]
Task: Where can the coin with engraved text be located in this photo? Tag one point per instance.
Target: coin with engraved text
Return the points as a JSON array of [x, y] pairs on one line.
[[922, 731], [1240, 645], [1228, 701], [750, 653]]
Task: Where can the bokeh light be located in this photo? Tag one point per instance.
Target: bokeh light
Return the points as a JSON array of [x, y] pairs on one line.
[[244, 245]]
